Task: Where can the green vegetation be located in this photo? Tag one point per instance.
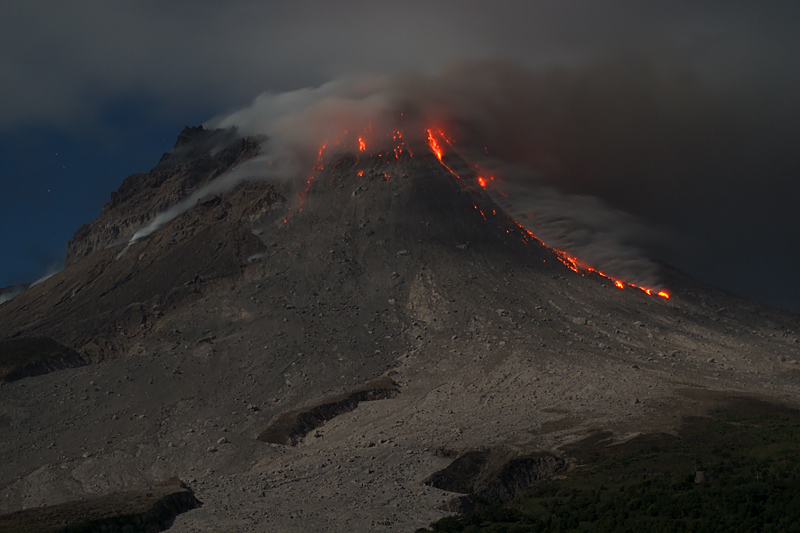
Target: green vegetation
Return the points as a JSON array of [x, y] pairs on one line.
[[749, 453], [18, 353]]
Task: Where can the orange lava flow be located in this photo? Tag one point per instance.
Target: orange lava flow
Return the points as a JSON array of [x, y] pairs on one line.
[[434, 144], [437, 148], [573, 263], [318, 166], [437, 141]]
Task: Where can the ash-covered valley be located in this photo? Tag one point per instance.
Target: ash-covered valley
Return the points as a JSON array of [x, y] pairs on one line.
[[314, 357]]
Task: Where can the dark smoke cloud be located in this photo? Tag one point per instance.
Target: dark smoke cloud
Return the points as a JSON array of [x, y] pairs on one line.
[[680, 117], [63, 61], [714, 169], [710, 168], [617, 161], [464, 102]]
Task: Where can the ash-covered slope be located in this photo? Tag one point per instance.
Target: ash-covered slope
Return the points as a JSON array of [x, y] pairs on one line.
[[266, 300]]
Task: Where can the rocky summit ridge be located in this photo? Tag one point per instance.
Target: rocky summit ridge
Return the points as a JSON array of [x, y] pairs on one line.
[[272, 310], [199, 156]]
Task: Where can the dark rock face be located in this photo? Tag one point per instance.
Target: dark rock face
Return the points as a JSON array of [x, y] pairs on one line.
[[200, 155], [113, 297], [289, 428], [68, 359], [495, 475], [8, 293], [148, 511], [24, 358], [460, 475], [521, 473]]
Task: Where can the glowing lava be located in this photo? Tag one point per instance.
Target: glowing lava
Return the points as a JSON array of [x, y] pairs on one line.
[[434, 144], [435, 136], [437, 142]]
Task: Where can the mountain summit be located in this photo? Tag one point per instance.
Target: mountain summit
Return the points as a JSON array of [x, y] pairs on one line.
[[308, 356]]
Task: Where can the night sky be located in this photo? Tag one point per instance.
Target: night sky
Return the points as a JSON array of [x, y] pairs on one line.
[[681, 116]]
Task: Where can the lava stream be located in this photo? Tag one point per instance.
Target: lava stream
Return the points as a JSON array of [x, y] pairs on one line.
[[435, 136], [437, 140]]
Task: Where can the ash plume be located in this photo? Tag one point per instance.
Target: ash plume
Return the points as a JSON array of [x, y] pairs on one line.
[[682, 114], [538, 131], [618, 162]]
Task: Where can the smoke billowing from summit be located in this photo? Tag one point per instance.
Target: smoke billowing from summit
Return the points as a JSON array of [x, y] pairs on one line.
[[620, 161], [548, 136], [683, 115]]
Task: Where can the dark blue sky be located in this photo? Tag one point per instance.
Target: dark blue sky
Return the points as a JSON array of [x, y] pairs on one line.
[[91, 91], [53, 181]]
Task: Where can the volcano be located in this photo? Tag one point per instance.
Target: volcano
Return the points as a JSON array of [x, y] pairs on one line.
[[316, 356]]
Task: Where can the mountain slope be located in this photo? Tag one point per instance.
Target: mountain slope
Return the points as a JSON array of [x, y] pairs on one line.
[[265, 299]]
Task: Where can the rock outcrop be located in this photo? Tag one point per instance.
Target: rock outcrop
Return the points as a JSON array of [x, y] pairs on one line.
[[289, 428], [199, 157], [25, 358], [495, 475], [147, 511]]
